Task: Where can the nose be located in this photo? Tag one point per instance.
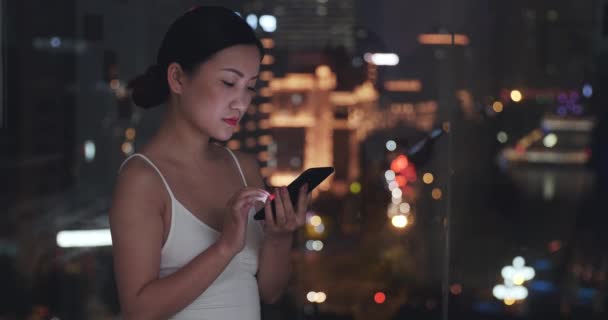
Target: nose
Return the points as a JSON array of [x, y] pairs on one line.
[[241, 104]]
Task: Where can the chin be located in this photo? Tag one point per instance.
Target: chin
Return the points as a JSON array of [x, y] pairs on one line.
[[223, 137]]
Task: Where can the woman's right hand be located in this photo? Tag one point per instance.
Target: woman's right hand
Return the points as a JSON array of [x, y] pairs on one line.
[[234, 230]]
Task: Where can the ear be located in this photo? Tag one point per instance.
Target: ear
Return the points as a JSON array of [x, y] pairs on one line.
[[176, 78]]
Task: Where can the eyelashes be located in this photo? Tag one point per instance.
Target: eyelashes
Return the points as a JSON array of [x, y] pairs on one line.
[[231, 85]]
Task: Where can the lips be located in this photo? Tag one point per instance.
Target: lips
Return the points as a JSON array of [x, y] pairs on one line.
[[231, 121]]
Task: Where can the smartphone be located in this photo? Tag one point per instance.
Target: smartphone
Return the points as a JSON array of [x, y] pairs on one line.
[[312, 176]]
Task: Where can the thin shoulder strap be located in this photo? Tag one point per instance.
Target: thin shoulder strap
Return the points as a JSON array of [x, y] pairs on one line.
[[238, 165], [153, 166]]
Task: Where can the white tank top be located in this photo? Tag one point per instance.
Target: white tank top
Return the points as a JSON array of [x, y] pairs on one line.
[[234, 294]]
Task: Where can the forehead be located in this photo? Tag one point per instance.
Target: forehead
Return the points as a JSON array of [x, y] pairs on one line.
[[245, 58]]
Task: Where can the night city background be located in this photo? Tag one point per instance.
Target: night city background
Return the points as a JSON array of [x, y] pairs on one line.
[[469, 138]]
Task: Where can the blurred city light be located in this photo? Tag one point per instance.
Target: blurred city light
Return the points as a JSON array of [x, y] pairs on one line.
[[508, 293], [550, 140], [400, 163], [497, 106], [389, 175], [127, 148], [391, 145], [516, 96], [317, 245], [314, 245], [130, 134], [428, 178], [323, 71], [316, 297], [309, 245], [393, 185], [89, 150], [403, 85], [558, 124], [436, 193], [267, 60], [252, 21], [382, 59], [379, 297], [399, 221], [404, 208], [587, 91], [267, 43], [443, 39], [456, 289], [355, 188], [397, 193], [514, 277], [55, 42], [321, 297], [315, 221], [320, 228], [311, 296], [84, 238], [502, 137], [268, 23], [115, 84], [393, 210], [555, 246]]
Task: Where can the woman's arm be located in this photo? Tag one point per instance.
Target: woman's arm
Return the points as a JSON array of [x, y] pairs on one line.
[[137, 228], [274, 267]]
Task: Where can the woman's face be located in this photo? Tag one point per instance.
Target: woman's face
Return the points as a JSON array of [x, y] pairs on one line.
[[216, 96]]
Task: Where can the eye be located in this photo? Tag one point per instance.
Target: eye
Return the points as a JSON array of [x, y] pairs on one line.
[[252, 89], [228, 84]]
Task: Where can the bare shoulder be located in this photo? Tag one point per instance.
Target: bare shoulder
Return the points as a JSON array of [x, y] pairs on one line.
[[139, 185], [251, 168], [136, 226]]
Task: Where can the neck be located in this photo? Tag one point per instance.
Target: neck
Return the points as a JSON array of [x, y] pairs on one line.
[[179, 137]]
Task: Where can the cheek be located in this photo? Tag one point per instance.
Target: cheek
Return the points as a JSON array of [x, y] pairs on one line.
[[203, 105]]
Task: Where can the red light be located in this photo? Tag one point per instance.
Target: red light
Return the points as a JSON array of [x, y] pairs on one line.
[[400, 163], [554, 246], [401, 181], [379, 297], [456, 289]]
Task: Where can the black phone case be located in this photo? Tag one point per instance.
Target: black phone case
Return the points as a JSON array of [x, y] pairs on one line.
[[312, 176]]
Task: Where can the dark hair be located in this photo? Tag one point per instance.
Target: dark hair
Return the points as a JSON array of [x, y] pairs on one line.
[[191, 40]]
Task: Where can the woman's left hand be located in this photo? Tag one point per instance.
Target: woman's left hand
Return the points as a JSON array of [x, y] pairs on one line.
[[288, 219]]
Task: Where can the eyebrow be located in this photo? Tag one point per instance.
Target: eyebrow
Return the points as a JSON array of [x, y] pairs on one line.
[[238, 72]]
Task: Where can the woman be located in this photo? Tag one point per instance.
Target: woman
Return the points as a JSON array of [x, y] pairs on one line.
[[185, 243]]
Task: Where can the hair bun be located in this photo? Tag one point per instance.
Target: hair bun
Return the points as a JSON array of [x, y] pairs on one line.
[[150, 89]]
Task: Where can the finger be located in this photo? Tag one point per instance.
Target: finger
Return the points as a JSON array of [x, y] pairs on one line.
[[290, 215], [269, 217], [279, 210], [244, 203], [302, 204], [260, 194]]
